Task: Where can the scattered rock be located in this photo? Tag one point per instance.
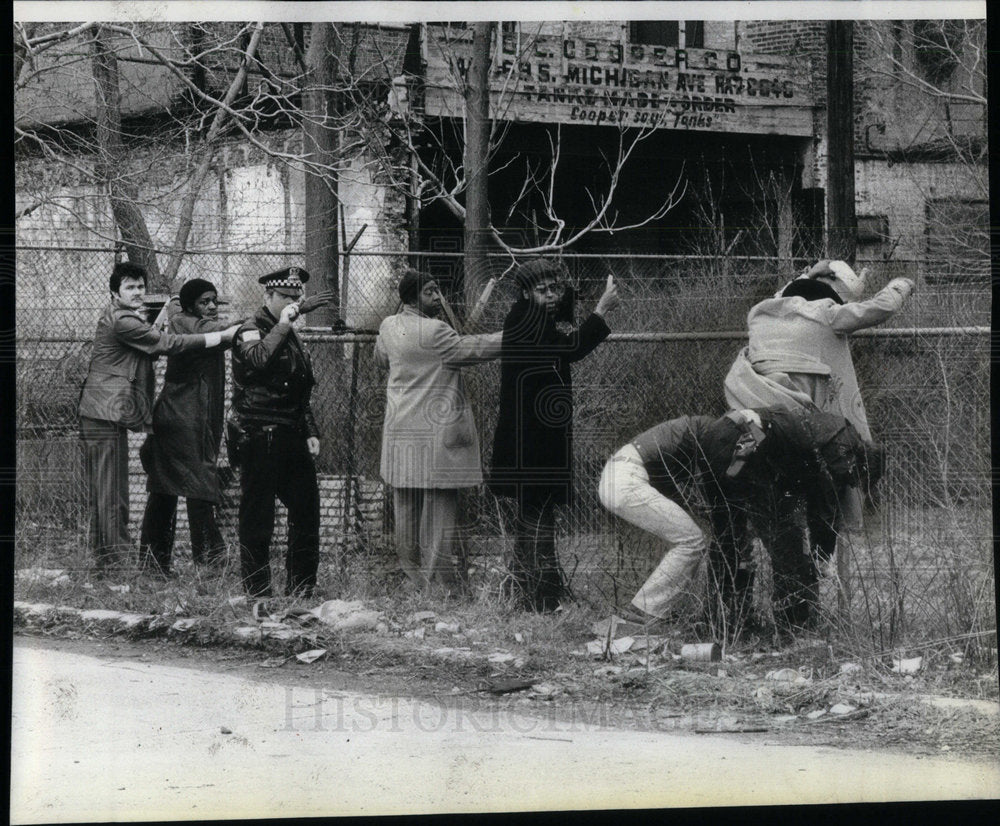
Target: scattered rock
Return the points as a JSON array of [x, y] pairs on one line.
[[447, 627], [246, 632], [133, 620], [909, 665], [499, 657], [783, 675], [414, 634], [546, 691], [311, 656], [185, 624], [842, 708], [225, 730], [518, 637], [452, 653], [957, 658], [815, 715], [99, 615]]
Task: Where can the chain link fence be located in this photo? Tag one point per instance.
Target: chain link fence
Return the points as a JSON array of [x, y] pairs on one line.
[[922, 568]]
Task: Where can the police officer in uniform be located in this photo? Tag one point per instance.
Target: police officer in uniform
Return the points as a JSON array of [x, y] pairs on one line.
[[273, 434]]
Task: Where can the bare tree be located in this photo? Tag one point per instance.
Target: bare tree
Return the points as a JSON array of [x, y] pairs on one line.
[[448, 182], [354, 115]]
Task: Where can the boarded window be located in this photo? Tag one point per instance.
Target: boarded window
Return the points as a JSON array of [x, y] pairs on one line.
[[872, 229], [694, 34], [958, 240]]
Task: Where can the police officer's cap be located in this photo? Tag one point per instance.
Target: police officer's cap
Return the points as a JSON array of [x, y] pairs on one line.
[[289, 278]]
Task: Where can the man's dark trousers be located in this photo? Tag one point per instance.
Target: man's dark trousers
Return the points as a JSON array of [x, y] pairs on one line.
[[105, 460], [536, 576], [276, 462]]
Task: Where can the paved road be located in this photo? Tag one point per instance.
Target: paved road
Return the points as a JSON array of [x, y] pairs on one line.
[[114, 739]]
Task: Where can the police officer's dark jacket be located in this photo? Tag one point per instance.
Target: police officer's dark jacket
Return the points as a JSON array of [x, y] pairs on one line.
[[272, 376]]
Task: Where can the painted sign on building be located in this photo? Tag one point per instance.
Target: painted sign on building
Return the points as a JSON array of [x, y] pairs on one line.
[[547, 79]]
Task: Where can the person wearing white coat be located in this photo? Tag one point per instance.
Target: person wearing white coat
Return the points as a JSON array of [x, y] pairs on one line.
[[430, 445], [799, 352]]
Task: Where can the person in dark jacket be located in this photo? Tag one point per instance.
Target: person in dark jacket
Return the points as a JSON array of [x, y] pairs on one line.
[[181, 453], [749, 467], [273, 436], [117, 396], [533, 443]]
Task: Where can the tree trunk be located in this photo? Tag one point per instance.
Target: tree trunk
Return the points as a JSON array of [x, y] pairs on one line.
[[110, 164], [319, 137], [476, 161], [21, 49], [842, 222]]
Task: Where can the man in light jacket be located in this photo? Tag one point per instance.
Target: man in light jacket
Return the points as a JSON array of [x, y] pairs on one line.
[[430, 446], [117, 396]]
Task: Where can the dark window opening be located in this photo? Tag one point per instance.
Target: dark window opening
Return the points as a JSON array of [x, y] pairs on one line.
[[654, 32], [668, 33]]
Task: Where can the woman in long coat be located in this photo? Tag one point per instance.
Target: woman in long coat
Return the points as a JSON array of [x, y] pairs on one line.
[[430, 446], [180, 456], [533, 443]]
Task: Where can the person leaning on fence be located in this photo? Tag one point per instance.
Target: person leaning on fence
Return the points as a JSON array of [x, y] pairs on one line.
[[430, 446], [272, 436], [180, 455], [532, 460], [117, 396], [799, 354], [748, 467]]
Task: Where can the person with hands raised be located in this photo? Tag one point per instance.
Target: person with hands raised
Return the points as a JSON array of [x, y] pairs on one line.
[[532, 459], [117, 396], [799, 353]]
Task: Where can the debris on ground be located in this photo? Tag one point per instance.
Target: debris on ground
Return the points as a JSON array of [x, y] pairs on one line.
[[347, 616], [783, 675], [311, 656], [910, 665], [702, 652], [447, 627], [509, 686]]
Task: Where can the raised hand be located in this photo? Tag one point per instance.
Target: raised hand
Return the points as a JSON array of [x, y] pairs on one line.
[[313, 302], [610, 299]]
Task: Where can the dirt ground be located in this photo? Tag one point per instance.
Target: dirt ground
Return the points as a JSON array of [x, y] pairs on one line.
[[737, 695]]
